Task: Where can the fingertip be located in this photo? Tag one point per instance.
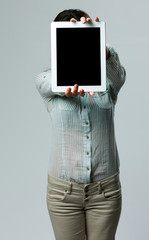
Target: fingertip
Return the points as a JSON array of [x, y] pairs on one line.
[[83, 19], [91, 93], [97, 19], [68, 90], [88, 19], [72, 20]]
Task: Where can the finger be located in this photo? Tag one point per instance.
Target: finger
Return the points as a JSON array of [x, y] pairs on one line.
[[91, 93], [83, 19], [82, 93], [97, 19], [75, 90], [73, 20], [88, 20], [68, 92]]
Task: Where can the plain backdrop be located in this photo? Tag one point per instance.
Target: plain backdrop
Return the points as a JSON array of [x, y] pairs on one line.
[[24, 121]]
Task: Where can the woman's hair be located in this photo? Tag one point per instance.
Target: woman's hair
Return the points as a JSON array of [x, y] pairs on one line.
[[67, 14]]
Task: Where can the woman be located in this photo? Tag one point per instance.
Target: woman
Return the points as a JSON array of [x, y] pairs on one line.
[[84, 195]]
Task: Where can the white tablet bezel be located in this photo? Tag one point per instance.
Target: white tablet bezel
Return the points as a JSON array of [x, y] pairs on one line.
[[54, 26]]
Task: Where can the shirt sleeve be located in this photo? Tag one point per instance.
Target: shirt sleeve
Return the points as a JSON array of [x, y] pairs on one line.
[[115, 72], [43, 85]]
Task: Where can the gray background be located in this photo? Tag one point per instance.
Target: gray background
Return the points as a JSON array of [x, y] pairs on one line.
[[25, 52]]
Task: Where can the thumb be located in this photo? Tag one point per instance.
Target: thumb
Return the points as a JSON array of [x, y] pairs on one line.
[[91, 93]]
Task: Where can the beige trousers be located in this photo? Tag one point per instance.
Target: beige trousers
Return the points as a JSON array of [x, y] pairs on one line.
[[84, 211]]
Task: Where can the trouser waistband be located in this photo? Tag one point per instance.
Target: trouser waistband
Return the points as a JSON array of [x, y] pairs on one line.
[[79, 187]]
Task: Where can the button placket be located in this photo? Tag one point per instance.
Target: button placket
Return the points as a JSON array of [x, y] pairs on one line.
[[87, 143]]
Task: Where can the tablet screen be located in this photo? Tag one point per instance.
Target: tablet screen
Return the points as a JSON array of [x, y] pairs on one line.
[[78, 56]]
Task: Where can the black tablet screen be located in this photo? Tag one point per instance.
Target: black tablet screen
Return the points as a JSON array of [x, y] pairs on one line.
[[78, 56]]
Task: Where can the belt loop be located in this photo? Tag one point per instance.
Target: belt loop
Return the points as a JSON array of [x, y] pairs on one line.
[[100, 187], [70, 188]]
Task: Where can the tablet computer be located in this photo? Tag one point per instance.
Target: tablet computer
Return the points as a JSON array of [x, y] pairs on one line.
[[78, 56]]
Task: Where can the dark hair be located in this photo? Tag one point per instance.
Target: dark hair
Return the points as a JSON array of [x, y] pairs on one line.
[[67, 14]]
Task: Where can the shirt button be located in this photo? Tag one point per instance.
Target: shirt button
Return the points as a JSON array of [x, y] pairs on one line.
[[87, 168], [87, 153], [86, 123], [87, 137]]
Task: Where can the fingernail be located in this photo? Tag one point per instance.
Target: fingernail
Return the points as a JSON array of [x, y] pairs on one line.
[[88, 19]]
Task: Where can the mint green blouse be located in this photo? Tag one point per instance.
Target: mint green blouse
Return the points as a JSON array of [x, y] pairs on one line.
[[82, 146]]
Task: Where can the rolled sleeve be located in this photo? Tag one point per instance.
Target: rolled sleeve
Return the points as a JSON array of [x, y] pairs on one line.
[[116, 73]]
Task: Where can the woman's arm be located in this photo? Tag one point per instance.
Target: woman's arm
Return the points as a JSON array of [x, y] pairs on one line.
[[116, 73], [43, 85]]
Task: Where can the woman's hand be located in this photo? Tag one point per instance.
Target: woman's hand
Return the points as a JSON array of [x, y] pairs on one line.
[[75, 92]]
